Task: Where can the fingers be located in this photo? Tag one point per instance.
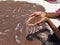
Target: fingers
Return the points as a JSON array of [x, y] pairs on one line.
[[41, 14], [36, 14], [28, 22], [31, 24], [44, 19], [39, 22], [33, 14]]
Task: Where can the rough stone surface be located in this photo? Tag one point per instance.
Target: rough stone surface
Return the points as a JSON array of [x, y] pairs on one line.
[[13, 16]]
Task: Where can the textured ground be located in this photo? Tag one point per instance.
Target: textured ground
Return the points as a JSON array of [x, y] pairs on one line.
[[13, 16]]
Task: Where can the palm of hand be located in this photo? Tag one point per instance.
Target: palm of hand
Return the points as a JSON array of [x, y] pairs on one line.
[[37, 18]]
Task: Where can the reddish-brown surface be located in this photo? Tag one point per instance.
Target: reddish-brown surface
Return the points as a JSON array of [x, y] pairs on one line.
[[13, 16]]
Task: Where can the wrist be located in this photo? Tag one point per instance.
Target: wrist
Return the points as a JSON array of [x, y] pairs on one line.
[[47, 19], [48, 14]]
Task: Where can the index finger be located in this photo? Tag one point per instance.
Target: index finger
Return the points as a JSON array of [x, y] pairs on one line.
[[33, 14]]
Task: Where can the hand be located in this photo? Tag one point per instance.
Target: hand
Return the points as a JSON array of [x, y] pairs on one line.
[[42, 14], [42, 20]]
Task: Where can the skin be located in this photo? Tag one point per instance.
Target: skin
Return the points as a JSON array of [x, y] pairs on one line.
[[45, 17]]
